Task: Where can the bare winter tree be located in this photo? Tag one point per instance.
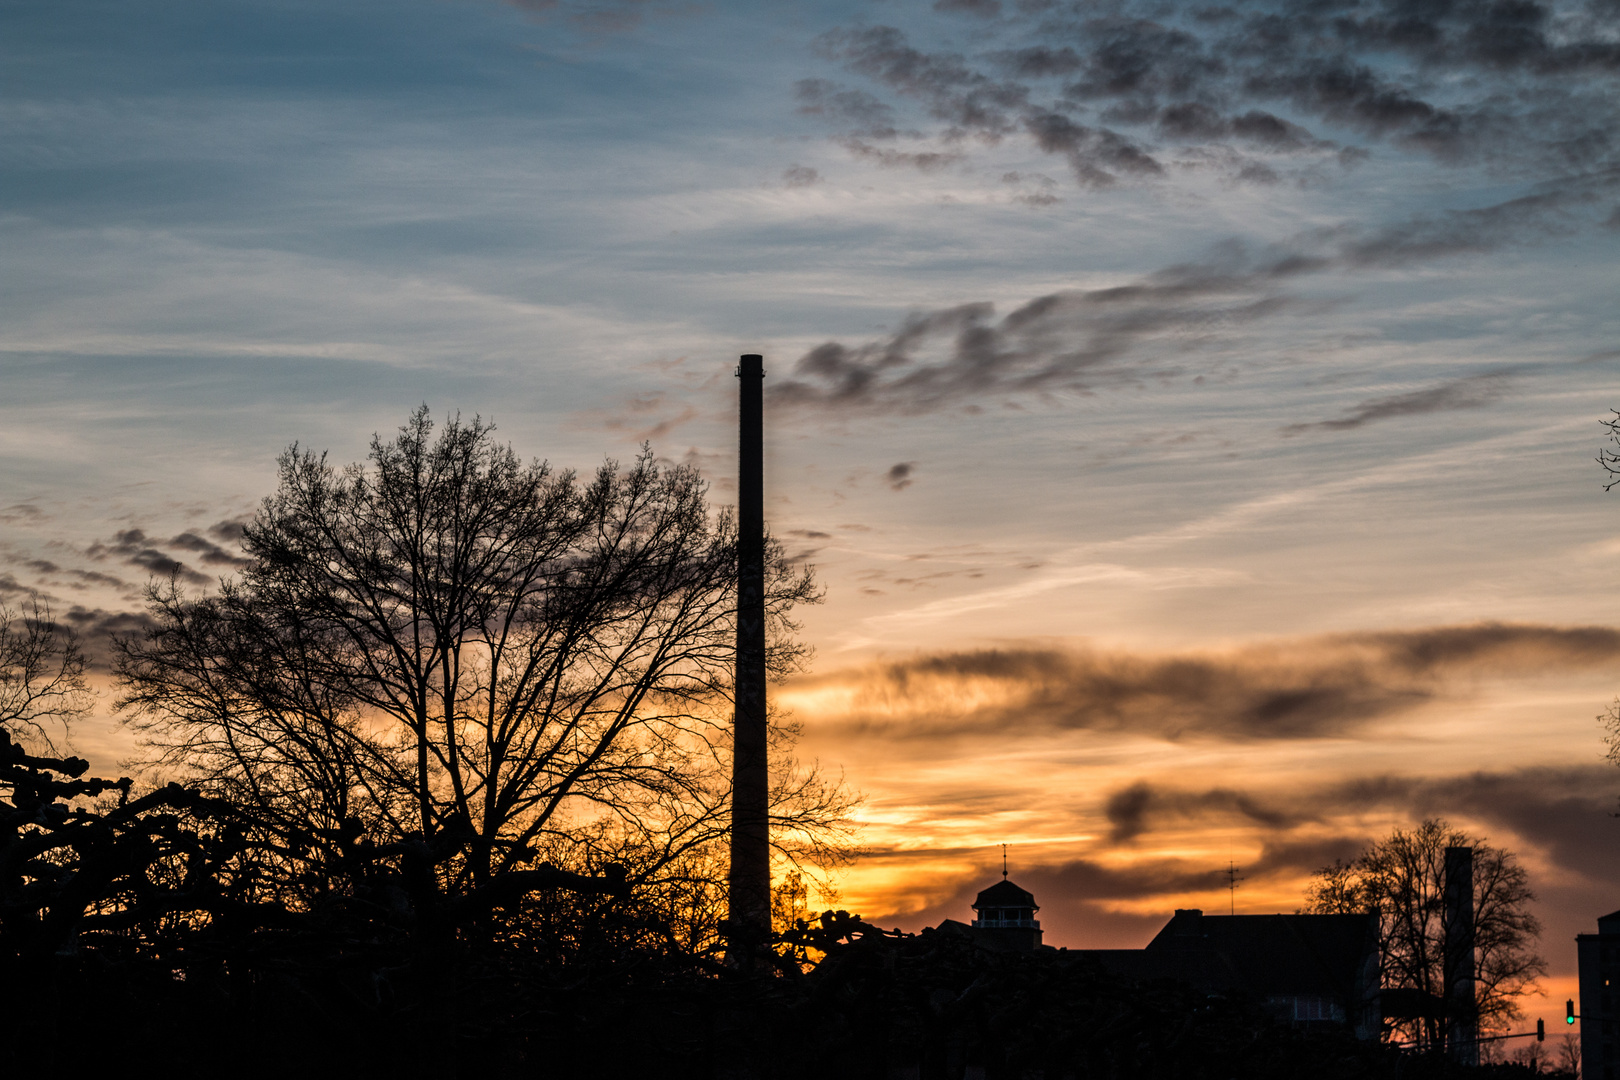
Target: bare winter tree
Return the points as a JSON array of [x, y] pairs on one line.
[[1609, 456], [449, 647], [1569, 1054], [42, 684], [1401, 880]]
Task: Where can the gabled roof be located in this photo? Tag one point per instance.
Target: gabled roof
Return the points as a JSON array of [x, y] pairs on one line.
[[1293, 954], [1004, 894]]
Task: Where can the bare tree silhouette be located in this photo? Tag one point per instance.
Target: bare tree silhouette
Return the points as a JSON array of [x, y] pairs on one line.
[[486, 662], [1401, 879], [1609, 457], [42, 684]]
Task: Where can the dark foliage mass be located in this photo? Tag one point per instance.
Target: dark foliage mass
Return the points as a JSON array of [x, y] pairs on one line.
[[354, 992]]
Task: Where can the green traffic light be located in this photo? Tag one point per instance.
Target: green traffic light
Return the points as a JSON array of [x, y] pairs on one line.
[[1569, 1011]]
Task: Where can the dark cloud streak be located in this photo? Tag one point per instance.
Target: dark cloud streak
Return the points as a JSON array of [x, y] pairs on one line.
[[1311, 688], [1130, 809], [135, 548], [1152, 328], [1473, 392]]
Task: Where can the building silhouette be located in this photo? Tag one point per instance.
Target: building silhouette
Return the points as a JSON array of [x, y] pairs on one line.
[[1598, 962], [1005, 920], [1309, 970], [1006, 913]]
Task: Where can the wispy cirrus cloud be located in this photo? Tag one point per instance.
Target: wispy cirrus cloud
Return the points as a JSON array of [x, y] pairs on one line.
[[1472, 392]]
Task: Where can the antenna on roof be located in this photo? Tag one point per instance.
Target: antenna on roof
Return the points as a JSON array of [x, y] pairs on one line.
[[1003, 862], [1232, 879]]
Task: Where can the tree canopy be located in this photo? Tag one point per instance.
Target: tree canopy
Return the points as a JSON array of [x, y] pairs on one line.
[[1402, 880], [42, 683], [449, 647]]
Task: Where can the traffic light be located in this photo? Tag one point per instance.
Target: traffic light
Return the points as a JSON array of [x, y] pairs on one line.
[[1541, 1030], [1569, 1011]]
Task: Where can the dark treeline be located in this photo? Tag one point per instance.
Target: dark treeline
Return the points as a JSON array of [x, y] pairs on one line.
[[145, 949], [437, 786]]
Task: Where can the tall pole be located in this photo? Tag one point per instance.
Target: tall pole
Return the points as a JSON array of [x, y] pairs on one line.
[[750, 884], [1462, 1028]]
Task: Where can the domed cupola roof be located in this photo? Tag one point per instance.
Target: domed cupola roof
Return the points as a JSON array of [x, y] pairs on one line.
[[1004, 894]]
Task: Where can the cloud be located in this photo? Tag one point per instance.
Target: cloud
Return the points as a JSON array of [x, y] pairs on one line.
[[600, 16], [1556, 815], [1155, 327], [1526, 87], [1036, 189], [1565, 814], [1472, 392], [899, 475], [1078, 895], [1096, 155], [797, 176], [229, 531], [1308, 688], [81, 578], [97, 626], [1562, 812], [1554, 210], [54, 573], [952, 90], [207, 550], [921, 160], [869, 117], [95, 577], [984, 9], [1073, 342], [134, 547], [1128, 810]]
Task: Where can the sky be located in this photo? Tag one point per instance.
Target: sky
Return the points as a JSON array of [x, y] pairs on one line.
[[1190, 409]]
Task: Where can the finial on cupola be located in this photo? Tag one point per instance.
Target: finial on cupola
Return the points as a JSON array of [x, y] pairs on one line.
[[1003, 862]]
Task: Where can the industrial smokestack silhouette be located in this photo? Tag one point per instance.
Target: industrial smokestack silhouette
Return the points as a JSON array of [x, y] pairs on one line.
[[1462, 1029], [750, 884]]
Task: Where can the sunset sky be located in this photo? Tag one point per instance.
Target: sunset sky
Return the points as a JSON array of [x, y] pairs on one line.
[[1190, 409]]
